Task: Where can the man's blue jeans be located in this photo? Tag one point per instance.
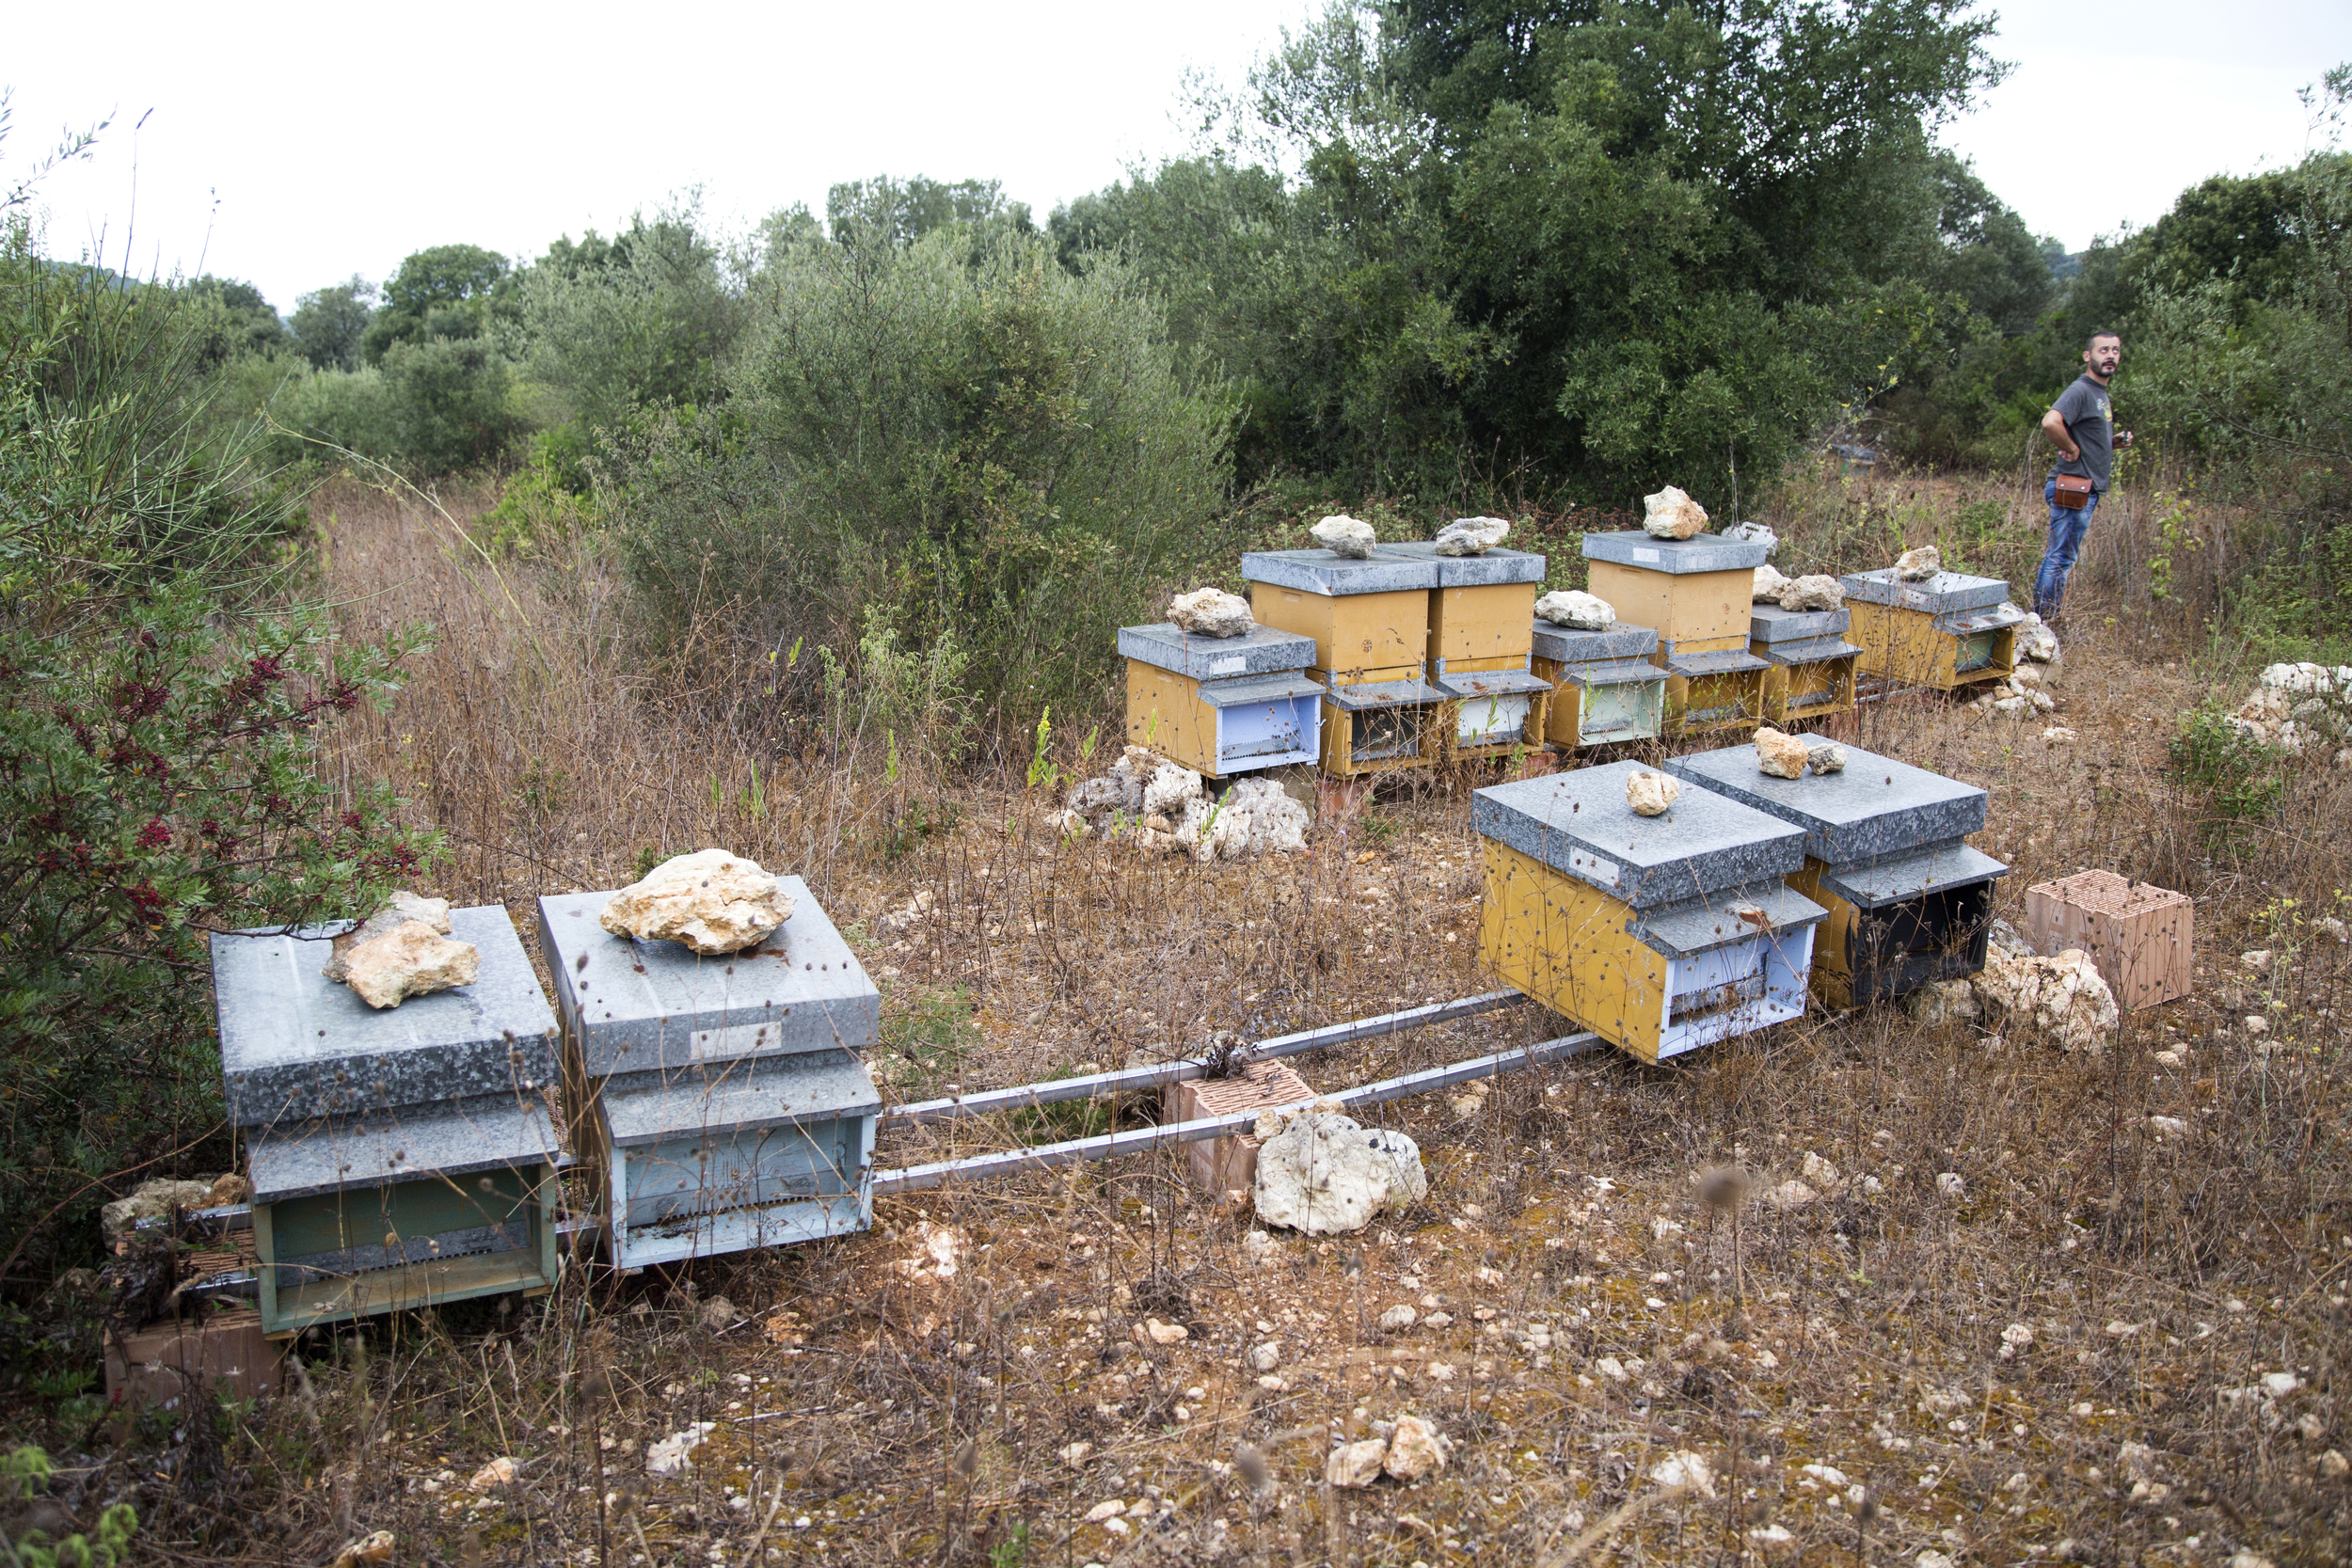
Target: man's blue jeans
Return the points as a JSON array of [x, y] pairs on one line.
[[2068, 524]]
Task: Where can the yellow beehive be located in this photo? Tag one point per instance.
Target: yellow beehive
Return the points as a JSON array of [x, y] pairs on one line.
[[1812, 675], [1369, 620], [1944, 633], [1222, 705]]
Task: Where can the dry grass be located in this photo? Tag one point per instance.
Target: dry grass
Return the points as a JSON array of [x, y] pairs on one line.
[[864, 1414]]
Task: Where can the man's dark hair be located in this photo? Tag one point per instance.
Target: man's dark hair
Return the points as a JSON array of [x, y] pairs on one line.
[[2092, 342]]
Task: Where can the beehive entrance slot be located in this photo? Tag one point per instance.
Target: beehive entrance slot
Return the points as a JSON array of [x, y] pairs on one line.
[[1974, 653], [1382, 732]]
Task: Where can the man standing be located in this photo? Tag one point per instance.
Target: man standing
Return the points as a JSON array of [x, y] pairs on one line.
[[2081, 424]]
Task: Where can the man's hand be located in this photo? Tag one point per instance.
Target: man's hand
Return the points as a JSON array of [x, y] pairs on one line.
[[2123, 439], [2054, 426]]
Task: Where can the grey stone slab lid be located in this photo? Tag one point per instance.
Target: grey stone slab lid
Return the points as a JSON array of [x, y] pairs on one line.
[[1579, 823], [1494, 568], [1252, 690], [294, 1044], [1722, 661], [1769, 623], [1378, 694], [1335, 575], [1959, 623], [1938, 595], [1613, 672], [1877, 883], [1701, 552], [1876, 809], [412, 1144], [1260, 650], [636, 1005], [1490, 683], [1766, 909], [1812, 651], [1569, 646], [734, 1096]]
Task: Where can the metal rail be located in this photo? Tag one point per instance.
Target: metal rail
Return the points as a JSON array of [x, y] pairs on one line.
[[1109, 1144], [1097, 1085]]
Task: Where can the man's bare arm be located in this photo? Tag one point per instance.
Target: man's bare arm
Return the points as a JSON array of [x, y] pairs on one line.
[[2053, 425]]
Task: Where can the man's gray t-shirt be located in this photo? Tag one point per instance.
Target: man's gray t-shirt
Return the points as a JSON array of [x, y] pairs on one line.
[[2090, 420]]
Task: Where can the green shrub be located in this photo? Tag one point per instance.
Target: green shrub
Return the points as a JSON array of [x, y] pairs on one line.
[[2237, 776], [25, 1474]]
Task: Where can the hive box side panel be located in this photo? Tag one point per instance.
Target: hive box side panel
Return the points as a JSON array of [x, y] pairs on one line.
[[1166, 713], [2145, 958], [1708, 704], [1566, 944], [1833, 941], [1903, 646], [1495, 621], [1640, 598], [1359, 637], [1797, 692], [1687, 607]]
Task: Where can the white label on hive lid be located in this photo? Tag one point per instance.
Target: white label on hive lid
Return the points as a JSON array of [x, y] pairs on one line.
[[1644, 555], [738, 1039], [1228, 665], [1593, 867]]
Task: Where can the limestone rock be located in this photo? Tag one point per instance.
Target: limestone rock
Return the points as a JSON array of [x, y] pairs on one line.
[[1416, 1449], [152, 1200], [2001, 937], [1577, 610], [1815, 591], [228, 1189], [1471, 535], [1211, 612], [1769, 584], [1920, 564], [2059, 735], [1942, 1002], [2036, 641], [1825, 756], [402, 907], [1755, 533], [1356, 1464], [1783, 757], [1345, 536], [1256, 817], [710, 901], [2064, 998], [1789, 1194], [411, 959], [1323, 1174], [1650, 794], [669, 1456], [1168, 787], [1399, 1317], [1672, 514], [1267, 1356]]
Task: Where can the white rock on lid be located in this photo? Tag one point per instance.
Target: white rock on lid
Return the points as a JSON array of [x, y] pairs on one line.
[[1672, 514], [410, 959], [1755, 533], [1471, 535], [710, 901], [1826, 756], [1920, 564], [1814, 590], [1782, 757], [1345, 536], [400, 909], [1650, 794], [1769, 584], [1576, 610], [1211, 612]]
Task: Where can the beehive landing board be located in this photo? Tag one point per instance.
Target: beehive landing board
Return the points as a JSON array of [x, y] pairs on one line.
[[1879, 808], [635, 1006], [295, 1045], [1579, 823], [2140, 936]]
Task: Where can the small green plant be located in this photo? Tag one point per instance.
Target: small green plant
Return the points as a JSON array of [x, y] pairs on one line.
[[1379, 829], [1013, 1550], [907, 827], [2174, 533], [928, 1035], [648, 858], [2237, 774], [1042, 768], [25, 1474]]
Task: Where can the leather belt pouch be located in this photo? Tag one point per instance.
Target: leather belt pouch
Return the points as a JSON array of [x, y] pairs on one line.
[[2073, 492]]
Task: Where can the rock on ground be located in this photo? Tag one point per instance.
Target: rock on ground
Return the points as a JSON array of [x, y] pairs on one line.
[[1577, 610], [1211, 612], [1783, 757], [1345, 536], [1471, 535], [1650, 794], [152, 1200], [1825, 756], [710, 901], [2063, 998], [411, 959], [1416, 1449], [2036, 641], [1942, 1002], [1769, 584], [1323, 1174], [397, 911], [1167, 789], [1920, 564], [668, 1456], [2001, 937], [1356, 1464], [1672, 514], [1814, 590]]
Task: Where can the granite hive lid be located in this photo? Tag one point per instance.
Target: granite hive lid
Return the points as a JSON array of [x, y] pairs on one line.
[[1495, 567], [406, 1143], [1579, 823], [1260, 650], [1938, 595], [295, 1045], [642, 1005], [1333, 576], [1769, 623], [1876, 809], [1701, 552], [1567, 645]]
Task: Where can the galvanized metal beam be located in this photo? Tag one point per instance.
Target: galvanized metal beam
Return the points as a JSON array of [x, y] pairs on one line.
[[1095, 1085], [1134, 1141]]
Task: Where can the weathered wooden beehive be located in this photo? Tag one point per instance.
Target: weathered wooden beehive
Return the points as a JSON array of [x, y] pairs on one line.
[[1659, 933], [402, 1158], [1696, 594], [1370, 623], [1948, 631], [1606, 685], [719, 1104], [1812, 675], [1222, 705], [1480, 645], [1886, 854]]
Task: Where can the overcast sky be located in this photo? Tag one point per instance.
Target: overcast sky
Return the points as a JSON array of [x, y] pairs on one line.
[[295, 146]]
